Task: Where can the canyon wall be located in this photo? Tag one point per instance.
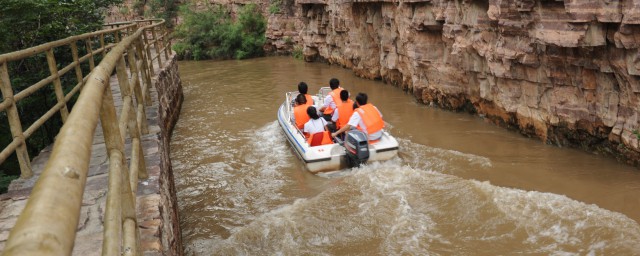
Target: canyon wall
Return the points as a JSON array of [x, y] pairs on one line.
[[566, 72]]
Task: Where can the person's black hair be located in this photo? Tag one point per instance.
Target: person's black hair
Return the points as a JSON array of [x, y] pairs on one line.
[[344, 95], [334, 83], [301, 99], [311, 111], [361, 98], [303, 88]]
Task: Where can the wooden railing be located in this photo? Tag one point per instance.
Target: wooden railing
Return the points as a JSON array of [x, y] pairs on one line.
[[47, 225]]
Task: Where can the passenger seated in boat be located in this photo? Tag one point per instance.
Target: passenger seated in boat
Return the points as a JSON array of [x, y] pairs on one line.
[[332, 100], [342, 114], [300, 111], [366, 118], [316, 127], [303, 89]]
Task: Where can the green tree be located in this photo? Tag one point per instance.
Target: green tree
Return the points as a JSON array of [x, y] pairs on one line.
[[213, 34], [164, 9], [28, 23]]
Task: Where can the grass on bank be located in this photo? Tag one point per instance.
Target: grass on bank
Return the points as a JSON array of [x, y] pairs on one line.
[[214, 34]]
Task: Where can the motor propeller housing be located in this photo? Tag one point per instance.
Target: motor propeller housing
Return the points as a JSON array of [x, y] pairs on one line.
[[357, 148]]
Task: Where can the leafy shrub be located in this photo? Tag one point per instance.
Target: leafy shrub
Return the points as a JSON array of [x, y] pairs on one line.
[[297, 53], [274, 7], [211, 34], [5, 180]]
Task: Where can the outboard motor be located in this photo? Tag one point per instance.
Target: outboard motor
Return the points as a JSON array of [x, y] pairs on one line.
[[357, 148]]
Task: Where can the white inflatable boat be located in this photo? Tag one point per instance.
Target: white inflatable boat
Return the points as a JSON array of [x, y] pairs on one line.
[[333, 156]]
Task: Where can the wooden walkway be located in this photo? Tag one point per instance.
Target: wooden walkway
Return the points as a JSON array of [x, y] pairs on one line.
[[90, 227]]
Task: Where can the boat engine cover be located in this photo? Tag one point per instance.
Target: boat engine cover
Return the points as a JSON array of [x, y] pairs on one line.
[[357, 148]]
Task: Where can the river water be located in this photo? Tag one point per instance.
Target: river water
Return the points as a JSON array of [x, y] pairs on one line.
[[460, 185]]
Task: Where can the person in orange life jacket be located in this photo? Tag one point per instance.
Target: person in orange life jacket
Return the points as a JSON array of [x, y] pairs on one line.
[[316, 127], [366, 118], [300, 111], [342, 114], [332, 100], [303, 89]]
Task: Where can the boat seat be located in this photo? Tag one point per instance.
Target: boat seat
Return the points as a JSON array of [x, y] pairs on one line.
[[320, 138]]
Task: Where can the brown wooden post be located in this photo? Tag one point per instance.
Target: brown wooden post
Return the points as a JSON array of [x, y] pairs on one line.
[[89, 44], [57, 85], [155, 44], [165, 42], [129, 117], [112, 241], [102, 45], [130, 235], [145, 70], [169, 44], [115, 144], [123, 82], [78, 68], [117, 35], [147, 46], [14, 123], [135, 78]]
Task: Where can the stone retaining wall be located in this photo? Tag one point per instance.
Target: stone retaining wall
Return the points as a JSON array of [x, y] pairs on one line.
[[169, 88]]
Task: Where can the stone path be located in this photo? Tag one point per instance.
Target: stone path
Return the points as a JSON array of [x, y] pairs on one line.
[[90, 227]]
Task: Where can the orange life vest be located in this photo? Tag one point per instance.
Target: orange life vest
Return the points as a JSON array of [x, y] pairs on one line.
[[335, 94], [371, 118], [345, 110], [320, 138], [309, 99], [300, 113]]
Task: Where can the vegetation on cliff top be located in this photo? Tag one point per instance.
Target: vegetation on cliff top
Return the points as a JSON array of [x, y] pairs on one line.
[[163, 9], [213, 34]]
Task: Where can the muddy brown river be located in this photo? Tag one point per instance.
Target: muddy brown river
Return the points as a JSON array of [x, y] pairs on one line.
[[460, 185]]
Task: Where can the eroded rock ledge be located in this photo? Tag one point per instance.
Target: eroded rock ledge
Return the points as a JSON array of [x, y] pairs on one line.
[[563, 71]]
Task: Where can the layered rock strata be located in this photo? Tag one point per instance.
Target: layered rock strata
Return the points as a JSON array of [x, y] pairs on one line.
[[564, 71]]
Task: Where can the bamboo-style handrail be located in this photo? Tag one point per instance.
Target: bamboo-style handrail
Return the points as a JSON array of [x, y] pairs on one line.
[[48, 223]]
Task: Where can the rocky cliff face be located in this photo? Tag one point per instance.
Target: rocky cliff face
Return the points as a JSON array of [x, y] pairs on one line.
[[564, 71]]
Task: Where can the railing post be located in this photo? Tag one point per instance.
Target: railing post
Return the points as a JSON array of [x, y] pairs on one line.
[[14, 123], [117, 36], [130, 228], [155, 44], [57, 85], [128, 118], [145, 70], [166, 42], [89, 45], [112, 241], [147, 47], [102, 45], [78, 68], [135, 78]]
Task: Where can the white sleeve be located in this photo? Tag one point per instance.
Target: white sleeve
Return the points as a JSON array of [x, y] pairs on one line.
[[335, 116], [327, 101], [306, 127], [354, 120]]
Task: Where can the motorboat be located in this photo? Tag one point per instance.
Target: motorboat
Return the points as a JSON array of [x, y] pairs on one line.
[[353, 151]]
